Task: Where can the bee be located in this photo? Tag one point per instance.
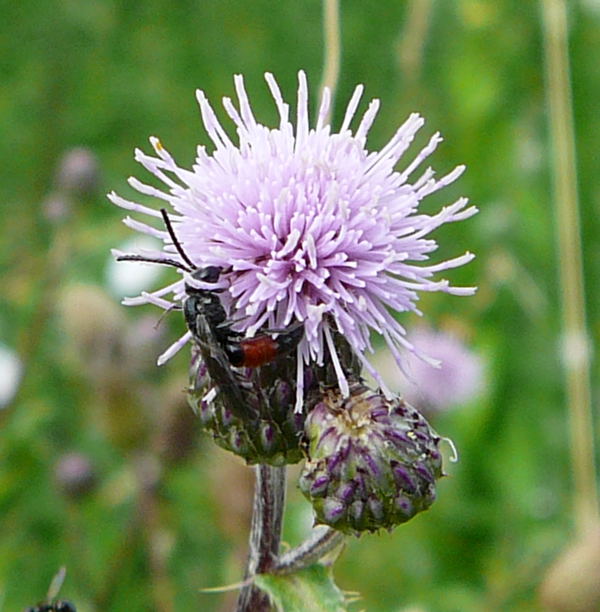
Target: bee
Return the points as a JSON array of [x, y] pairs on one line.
[[52, 604], [206, 318], [241, 352]]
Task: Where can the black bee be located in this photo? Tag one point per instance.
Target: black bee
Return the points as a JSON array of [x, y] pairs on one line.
[[207, 320], [60, 605], [52, 604], [241, 352]]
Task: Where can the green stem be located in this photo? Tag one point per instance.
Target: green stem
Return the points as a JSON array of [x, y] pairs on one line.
[[322, 541], [265, 534], [575, 351], [412, 39], [333, 48]]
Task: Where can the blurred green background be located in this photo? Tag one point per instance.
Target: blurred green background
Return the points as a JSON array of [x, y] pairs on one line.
[[147, 512]]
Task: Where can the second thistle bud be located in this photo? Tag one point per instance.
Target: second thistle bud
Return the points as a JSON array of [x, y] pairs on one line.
[[372, 462]]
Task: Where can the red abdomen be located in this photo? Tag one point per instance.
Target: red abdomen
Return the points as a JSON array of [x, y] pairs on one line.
[[258, 351]]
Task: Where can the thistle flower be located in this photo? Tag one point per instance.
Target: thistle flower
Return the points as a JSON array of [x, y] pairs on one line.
[[307, 225], [458, 380], [372, 462]]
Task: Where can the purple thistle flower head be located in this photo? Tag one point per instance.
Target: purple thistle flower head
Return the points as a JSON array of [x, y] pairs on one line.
[[459, 379], [308, 225]]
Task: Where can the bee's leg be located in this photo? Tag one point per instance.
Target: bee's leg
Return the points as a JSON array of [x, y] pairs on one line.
[[220, 370]]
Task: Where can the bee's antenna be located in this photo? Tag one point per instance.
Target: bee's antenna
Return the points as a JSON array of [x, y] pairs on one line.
[[176, 242], [164, 262]]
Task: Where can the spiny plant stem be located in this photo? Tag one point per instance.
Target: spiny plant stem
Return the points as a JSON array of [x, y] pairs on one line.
[[322, 541], [575, 351], [265, 534]]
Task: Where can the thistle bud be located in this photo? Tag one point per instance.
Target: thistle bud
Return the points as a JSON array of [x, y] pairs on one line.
[[75, 475], [263, 427], [372, 462]]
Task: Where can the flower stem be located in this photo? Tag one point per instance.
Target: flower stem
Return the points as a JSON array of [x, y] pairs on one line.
[[322, 541], [265, 534], [413, 37], [333, 48], [575, 351]]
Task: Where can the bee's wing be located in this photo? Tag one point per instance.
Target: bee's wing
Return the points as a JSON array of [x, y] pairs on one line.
[[218, 365]]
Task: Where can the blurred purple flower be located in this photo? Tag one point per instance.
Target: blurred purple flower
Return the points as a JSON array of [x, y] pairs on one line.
[[79, 172], [75, 474], [307, 224], [459, 378]]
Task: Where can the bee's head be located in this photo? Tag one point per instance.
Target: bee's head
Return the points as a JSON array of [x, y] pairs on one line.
[[209, 274]]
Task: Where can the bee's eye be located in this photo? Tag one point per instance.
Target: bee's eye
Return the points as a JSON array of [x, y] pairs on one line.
[[210, 274]]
